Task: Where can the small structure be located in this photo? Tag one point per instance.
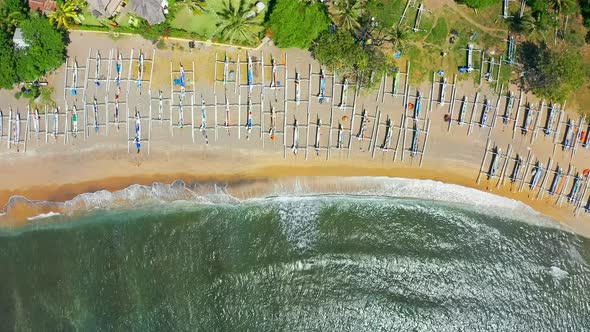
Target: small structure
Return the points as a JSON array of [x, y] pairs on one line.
[[106, 8], [45, 6], [151, 10], [19, 40]]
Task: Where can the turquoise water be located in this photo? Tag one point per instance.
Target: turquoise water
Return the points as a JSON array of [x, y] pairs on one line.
[[335, 263]]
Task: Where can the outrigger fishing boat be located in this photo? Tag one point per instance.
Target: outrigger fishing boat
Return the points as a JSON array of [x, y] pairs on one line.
[[180, 112], [462, 111], [344, 94], [273, 121], [317, 136], [119, 68], [395, 82], [418, 107], [388, 135], [17, 131], [550, 119], [203, 115], [340, 136], [566, 138], [249, 120], [322, 86], [273, 82], [573, 197], [75, 78], [443, 91], [37, 122], [75, 121], [528, 119], [97, 74], [508, 111], [227, 116], [297, 89], [182, 80], [117, 107], [484, 114], [140, 72], [250, 74], [516, 171], [160, 106], [363, 128], [495, 163], [225, 70], [95, 108], [415, 140], [55, 122], [295, 137], [556, 181], [137, 124], [537, 172]]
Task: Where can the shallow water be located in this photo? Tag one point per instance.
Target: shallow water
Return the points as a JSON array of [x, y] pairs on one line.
[[295, 263]]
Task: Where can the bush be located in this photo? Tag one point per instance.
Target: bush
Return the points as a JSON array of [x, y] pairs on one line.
[[478, 4], [294, 23]]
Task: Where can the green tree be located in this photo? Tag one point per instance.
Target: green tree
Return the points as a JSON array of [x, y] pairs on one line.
[[12, 12], [7, 67], [551, 73], [197, 7], [46, 49], [563, 6], [237, 22], [296, 23], [347, 14], [63, 15]]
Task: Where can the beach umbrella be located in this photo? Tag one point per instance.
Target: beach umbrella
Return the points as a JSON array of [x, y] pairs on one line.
[[345, 118], [411, 106]]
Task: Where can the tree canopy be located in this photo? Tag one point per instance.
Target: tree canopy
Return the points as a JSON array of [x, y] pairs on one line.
[[296, 23], [551, 73], [339, 51]]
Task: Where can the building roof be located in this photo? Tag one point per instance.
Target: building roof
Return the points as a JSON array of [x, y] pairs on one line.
[[45, 6], [19, 40], [106, 7], [151, 10]]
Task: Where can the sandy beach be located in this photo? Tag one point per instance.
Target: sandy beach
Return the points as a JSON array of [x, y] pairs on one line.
[[52, 169]]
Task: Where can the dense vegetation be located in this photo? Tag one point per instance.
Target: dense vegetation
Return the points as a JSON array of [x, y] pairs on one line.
[[296, 23], [46, 50]]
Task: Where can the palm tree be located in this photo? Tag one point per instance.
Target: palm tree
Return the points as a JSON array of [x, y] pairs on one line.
[[63, 14], [347, 13], [526, 24], [560, 6], [197, 7], [238, 22]]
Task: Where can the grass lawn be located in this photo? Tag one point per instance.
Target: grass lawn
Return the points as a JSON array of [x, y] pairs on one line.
[[90, 20], [387, 12], [203, 25]]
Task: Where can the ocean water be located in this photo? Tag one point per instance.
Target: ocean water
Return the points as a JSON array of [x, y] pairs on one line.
[[295, 263]]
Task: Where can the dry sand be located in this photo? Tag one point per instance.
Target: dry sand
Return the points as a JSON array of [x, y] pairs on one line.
[[58, 172]]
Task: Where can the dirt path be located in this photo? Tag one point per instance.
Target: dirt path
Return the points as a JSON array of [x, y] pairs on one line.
[[495, 32]]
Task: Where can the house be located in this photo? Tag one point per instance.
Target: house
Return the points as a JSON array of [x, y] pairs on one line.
[[106, 8], [151, 10], [19, 40], [45, 6]]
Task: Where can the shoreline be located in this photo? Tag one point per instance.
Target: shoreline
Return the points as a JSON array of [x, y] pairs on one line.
[[257, 180]]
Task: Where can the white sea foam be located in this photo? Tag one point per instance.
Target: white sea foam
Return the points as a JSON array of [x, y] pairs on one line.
[[44, 215], [557, 273]]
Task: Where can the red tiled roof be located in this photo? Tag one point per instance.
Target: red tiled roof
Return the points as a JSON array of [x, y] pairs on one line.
[[43, 5]]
